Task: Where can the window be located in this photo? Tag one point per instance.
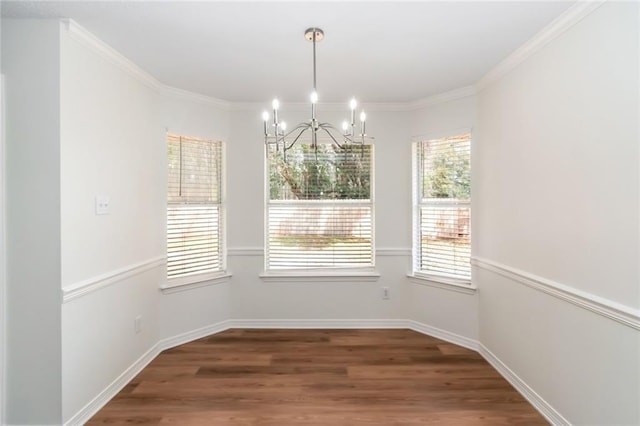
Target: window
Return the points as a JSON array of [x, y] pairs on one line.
[[442, 208], [194, 209], [319, 207]]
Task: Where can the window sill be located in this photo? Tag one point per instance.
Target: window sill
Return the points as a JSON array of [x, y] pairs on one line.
[[195, 281], [459, 286], [320, 276]]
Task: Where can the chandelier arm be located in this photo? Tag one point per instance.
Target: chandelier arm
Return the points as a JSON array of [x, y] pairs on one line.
[[304, 129], [348, 138], [300, 126], [331, 135], [275, 139]]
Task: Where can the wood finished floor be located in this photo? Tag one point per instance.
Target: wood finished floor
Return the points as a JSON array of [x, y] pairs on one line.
[[318, 377]]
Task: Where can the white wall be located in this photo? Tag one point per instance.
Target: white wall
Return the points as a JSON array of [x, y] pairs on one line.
[[256, 299], [113, 127], [3, 251], [556, 196], [111, 144], [30, 63]]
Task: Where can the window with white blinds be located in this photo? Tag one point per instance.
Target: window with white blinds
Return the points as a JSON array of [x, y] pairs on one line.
[[442, 208], [319, 207], [194, 207]]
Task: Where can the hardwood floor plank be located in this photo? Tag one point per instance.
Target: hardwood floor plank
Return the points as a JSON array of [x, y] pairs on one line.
[[318, 377]]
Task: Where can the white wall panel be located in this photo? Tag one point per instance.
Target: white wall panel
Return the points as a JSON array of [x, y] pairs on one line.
[[558, 169], [31, 65], [556, 196], [111, 144]]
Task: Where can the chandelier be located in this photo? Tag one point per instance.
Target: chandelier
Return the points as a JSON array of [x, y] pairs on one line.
[[287, 139]]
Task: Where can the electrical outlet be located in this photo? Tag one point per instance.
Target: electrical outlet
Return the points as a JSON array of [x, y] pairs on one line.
[[385, 292], [137, 324], [102, 204]]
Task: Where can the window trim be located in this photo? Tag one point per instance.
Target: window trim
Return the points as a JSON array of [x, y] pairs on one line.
[[190, 282], [204, 278], [367, 274], [460, 286], [416, 276]]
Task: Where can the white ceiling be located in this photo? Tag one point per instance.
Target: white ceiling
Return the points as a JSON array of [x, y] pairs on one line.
[[252, 51]]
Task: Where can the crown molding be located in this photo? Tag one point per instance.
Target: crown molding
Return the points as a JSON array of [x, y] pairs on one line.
[[186, 95], [568, 19], [322, 106], [86, 38], [574, 14], [83, 36], [441, 98]]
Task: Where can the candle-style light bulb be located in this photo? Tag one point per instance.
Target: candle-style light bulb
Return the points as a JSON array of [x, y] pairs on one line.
[[363, 124], [276, 105], [314, 100], [283, 125], [265, 118], [353, 104], [363, 116], [345, 126]]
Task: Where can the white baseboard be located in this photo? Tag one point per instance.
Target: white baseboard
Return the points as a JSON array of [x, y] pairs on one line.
[[319, 323], [118, 384], [10, 424], [82, 416], [360, 323], [447, 336], [550, 413], [181, 339]]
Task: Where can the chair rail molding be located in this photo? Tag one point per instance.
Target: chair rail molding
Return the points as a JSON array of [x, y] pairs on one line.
[[98, 282], [599, 305]]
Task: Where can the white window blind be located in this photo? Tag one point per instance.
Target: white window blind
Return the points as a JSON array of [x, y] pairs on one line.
[[194, 206], [442, 210], [319, 207]]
